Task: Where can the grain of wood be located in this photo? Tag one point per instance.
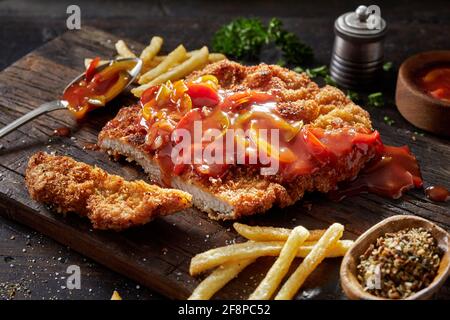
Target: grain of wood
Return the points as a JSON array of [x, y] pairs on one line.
[[158, 255]]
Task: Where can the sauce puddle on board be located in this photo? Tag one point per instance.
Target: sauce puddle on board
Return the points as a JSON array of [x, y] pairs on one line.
[[62, 132], [392, 173], [437, 193]]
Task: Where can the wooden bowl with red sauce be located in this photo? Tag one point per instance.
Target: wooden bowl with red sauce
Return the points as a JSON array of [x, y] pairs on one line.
[[423, 91]]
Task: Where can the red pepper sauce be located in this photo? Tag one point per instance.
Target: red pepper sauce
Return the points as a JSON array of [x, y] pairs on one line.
[[394, 171], [96, 89], [62, 132], [302, 150], [435, 82], [437, 193]]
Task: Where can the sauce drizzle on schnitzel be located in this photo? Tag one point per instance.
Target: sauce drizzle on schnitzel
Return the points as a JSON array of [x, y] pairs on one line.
[[339, 132], [242, 128]]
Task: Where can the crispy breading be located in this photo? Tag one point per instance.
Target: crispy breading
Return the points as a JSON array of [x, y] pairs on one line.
[[242, 191], [299, 98], [109, 201]]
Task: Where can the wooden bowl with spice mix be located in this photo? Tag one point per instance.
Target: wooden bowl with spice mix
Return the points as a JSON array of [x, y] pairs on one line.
[[402, 257]]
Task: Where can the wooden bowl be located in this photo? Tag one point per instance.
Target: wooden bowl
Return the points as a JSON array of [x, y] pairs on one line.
[[422, 110], [348, 272]]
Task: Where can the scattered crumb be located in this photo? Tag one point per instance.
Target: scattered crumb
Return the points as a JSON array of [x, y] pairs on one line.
[[8, 291], [116, 296]]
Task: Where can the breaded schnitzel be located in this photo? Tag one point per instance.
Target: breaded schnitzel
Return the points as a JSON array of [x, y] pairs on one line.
[[109, 201], [242, 190]]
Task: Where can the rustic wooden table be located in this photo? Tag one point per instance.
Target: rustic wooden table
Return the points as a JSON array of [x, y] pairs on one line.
[[34, 266]]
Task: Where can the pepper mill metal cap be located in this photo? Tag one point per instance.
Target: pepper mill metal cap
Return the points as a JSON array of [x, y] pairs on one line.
[[357, 57]]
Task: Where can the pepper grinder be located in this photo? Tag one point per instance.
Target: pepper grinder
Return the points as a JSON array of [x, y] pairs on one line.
[[357, 57]]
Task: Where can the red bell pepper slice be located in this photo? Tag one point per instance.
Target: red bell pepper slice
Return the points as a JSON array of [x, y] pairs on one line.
[[90, 71], [245, 98], [202, 95], [149, 94], [315, 146]]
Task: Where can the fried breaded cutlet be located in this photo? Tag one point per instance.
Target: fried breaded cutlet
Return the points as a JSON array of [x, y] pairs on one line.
[[109, 201], [241, 191]]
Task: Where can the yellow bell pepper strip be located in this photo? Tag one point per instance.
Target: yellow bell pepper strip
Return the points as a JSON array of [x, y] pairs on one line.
[[283, 154]]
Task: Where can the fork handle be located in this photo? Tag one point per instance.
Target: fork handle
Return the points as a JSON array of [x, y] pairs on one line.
[[43, 108]]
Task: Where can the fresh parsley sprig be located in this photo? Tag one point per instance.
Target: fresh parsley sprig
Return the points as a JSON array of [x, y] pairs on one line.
[[353, 95], [375, 99], [387, 66], [294, 51], [243, 39]]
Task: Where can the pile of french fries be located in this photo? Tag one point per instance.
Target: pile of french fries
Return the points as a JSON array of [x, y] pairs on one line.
[[311, 245], [159, 69]]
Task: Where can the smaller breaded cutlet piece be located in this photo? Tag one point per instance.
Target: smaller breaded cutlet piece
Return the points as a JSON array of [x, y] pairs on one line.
[[109, 201]]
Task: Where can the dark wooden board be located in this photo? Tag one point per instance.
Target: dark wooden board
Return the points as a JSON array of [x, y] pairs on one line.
[[158, 254]]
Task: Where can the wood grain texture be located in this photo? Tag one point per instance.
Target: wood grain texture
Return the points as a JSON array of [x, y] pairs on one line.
[[158, 255]]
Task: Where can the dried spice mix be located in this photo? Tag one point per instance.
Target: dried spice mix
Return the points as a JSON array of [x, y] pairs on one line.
[[400, 264]]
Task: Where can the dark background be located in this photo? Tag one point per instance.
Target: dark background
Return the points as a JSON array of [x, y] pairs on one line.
[[33, 266]]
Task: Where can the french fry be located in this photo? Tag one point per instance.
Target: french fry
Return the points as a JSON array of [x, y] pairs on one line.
[[150, 65], [256, 233], [252, 250], [151, 50], [193, 63], [138, 91], [218, 279], [212, 57], [158, 59], [275, 275], [123, 50], [311, 261], [154, 63], [174, 57]]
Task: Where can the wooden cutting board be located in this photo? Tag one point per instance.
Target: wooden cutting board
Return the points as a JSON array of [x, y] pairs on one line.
[[158, 254]]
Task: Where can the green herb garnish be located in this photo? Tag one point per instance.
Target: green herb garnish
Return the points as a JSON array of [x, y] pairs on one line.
[[329, 80], [294, 51], [387, 66], [388, 120], [352, 95], [243, 39], [375, 99], [281, 63], [240, 39], [319, 71]]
